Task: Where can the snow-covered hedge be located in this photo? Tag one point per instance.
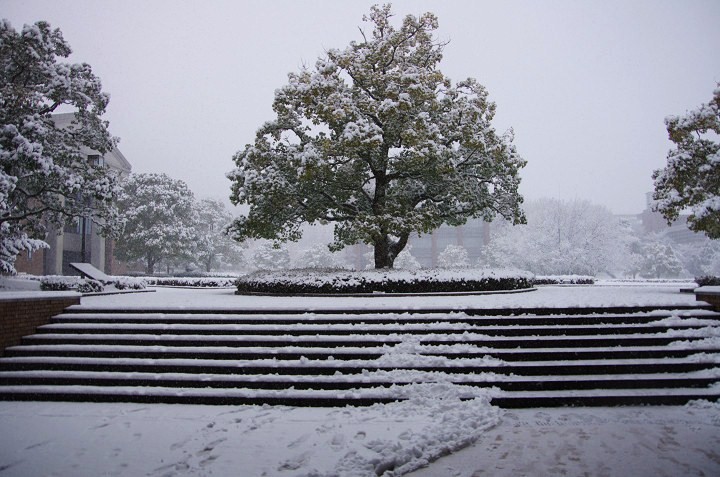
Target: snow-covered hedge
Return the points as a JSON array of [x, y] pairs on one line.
[[129, 283], [291, 282], [203, 282], [63, 283], [708, 281], [564, 280]]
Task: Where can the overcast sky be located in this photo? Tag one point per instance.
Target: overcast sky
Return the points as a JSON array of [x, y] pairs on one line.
[[585, 85]]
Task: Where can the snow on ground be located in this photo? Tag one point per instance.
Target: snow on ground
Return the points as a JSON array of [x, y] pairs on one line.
[[545, 296], [65, 439]]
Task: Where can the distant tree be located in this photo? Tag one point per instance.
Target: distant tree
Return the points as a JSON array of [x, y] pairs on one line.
[[159, 220], [214, 248], [318, 256], [561, 238], [691, 178], [454, 256], [634, 257], [376, 140], [660, 261], [269, 256], [406, 261], [700, 259], [45, 178]]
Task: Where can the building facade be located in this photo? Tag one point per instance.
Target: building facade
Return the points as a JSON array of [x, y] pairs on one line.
[[80, 241]]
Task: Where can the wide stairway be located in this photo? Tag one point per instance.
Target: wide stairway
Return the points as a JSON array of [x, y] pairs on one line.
[[522, 358]]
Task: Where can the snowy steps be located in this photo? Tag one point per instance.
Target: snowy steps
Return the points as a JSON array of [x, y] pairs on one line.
[[628, 356]]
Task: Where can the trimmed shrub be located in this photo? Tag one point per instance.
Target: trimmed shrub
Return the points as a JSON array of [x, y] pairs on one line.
[[129, 283], [313, 281], [65, 283], [90, 286], [708, 281], [564, 280], [201, 282]]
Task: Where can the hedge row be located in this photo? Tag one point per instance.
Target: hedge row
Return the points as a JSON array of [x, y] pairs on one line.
[[202, 282], [295, 282], [564, 280], [708, 281], [62, 283]]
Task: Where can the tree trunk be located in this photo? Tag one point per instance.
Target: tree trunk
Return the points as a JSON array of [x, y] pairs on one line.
[[150, 269], [387, 250]]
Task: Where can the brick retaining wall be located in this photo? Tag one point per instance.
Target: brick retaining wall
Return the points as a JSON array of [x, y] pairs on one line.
[[22, 313], [710, 295]]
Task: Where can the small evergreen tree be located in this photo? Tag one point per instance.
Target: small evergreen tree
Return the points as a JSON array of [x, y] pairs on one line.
[[454, 256], [406, 261]]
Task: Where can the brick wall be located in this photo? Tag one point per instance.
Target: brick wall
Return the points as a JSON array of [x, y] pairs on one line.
[[20, 316], [712, 297]]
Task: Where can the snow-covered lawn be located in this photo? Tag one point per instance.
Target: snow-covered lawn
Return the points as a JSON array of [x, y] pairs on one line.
[[66, 439]]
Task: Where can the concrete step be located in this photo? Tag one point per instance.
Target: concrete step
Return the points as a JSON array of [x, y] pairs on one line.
[[310, 329], [460, 351], [340, 341], [379, 319], [334, 398], [343, 381], [524, 358], [306, 366]]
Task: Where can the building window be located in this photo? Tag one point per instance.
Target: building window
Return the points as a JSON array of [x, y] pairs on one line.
[[96, 160]]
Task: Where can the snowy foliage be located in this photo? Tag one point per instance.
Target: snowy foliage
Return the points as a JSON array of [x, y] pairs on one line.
[[406, 261], [376, 140], [561, 238], [214, 248], [159, 220], [660, 261], [454, 256], [318, 256], [700, 259], [269, 256], [691, 178], [45, 179], [63, 283]]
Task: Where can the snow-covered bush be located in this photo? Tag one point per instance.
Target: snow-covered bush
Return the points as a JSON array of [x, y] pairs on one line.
[[454, 256], [564, 280], [90, 286], [65, 283], [129, 283], [269, 257], [708, 281], [292, 282], [200, 282], [406, 261], [318, 256]]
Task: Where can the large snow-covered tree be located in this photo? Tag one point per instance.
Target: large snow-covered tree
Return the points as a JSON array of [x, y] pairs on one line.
[[561, 238], [376, 140], [45, 179], [213, 247], [159, 220], [691, 178]]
